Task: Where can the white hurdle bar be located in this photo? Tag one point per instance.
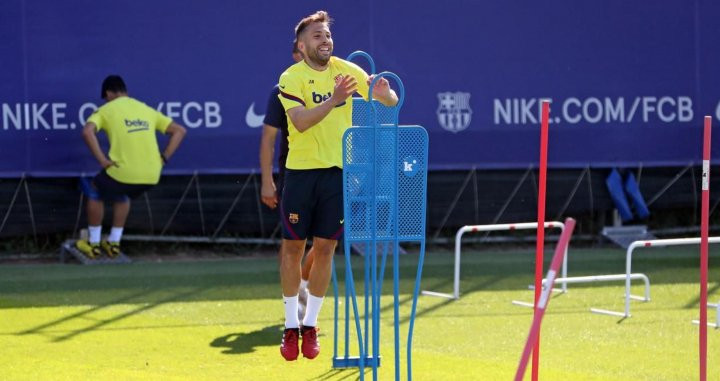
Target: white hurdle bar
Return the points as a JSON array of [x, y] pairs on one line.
[[628, 266], [496, 227], [715, 325], [596, 278]]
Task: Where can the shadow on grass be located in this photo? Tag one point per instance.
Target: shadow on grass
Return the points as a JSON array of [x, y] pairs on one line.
[[696, 300], [342, 374], [257, 278], [475, 287], [242, 343], [239, 343], [405, 301], [41, 329]]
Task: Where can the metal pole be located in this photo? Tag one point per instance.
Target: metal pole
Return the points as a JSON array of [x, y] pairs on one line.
[[12, 202], [232, 206]]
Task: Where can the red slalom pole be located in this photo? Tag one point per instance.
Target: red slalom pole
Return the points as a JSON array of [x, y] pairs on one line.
[[540, 243], [534, 335], [704, 216]]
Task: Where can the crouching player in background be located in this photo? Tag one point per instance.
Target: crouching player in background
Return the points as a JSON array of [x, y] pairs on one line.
[[132, 166]]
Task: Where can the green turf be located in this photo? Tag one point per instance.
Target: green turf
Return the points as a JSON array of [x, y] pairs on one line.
[[221, 319]]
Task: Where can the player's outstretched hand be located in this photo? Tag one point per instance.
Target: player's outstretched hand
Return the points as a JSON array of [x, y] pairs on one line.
[[345, 86], [382, 87]]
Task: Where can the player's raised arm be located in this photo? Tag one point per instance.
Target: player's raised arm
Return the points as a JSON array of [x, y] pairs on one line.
[[303, 118]]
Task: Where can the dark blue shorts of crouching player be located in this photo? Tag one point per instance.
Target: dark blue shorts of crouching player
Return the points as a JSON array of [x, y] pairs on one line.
[[312, 204], [103, 187]]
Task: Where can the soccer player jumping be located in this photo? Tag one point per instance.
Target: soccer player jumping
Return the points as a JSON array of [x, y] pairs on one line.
[[316, 94]]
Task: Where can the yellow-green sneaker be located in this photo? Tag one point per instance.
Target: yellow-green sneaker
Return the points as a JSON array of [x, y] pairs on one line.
[[91, 251], [112, 249]]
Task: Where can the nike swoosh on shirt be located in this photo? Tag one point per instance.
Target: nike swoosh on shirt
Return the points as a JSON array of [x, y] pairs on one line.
[[252, 119]]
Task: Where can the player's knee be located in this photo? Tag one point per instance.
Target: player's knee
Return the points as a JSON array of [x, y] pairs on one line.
[[324, 247], [293, 248]]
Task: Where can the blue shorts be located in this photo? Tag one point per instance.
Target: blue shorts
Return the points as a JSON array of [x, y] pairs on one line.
[[104, 187], [312, 204]]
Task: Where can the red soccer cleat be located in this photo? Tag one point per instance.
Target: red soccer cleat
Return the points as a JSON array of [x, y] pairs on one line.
[[289, 346], [310, 346]]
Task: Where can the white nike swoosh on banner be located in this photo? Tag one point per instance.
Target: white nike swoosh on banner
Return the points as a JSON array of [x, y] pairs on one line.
[[252, 119]]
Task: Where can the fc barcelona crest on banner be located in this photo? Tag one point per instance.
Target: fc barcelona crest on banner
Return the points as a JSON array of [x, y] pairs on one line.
[[454, 111]]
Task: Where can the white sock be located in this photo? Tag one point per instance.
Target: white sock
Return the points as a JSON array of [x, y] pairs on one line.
[[94, 234], [312, 310], [291, 311], [303, 284], [115, 234]]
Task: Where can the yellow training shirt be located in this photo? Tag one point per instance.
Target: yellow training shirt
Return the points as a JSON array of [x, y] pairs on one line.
[[130, 126], [320, 146]]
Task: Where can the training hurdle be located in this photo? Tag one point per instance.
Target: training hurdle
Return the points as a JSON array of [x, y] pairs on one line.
[[715, 325], [704, 240], [363, 115], [628, 266], [385, 188], [490, 228]]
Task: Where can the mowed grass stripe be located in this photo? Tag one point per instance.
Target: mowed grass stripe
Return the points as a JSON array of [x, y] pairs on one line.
[[211, 320]]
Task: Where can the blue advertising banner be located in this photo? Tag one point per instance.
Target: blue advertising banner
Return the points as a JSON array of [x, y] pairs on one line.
[[629, 81]]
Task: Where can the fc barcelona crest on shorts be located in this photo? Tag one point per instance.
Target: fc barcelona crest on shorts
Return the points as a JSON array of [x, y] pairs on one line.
[[293, 218]]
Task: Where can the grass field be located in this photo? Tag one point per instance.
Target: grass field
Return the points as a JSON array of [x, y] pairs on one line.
[[222, 319]]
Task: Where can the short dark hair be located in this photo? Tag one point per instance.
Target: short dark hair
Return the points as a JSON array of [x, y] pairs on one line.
[[319, 16], [112, 83]]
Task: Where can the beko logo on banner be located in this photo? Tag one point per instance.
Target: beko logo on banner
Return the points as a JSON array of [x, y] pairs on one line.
[[594, 110], [57, 116]]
